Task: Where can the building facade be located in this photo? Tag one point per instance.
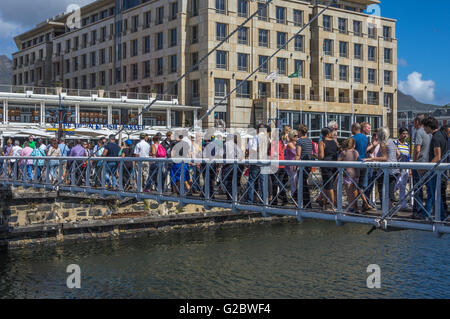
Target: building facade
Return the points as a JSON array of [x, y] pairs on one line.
[[345, 63]]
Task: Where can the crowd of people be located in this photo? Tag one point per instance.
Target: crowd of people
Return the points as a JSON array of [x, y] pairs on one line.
[[430, 144]]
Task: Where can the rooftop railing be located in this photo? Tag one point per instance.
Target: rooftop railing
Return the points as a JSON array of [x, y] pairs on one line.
[[85, 93]]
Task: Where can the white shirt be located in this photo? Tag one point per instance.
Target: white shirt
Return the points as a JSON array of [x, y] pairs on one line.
[[16, 150], [142, 149]]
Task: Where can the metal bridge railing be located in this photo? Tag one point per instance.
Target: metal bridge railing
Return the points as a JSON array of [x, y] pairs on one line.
[[294, 188]]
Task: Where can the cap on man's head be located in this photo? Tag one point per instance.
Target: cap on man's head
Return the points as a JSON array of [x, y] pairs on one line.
[[129, 142], [159, 134], [142, 136]]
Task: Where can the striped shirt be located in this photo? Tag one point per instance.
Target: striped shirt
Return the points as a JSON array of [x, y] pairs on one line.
[[306, 145], [404, 150]]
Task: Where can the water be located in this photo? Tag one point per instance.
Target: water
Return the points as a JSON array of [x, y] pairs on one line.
[[290, 260]]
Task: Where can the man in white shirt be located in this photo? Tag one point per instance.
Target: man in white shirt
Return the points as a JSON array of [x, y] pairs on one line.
[[142, 150]]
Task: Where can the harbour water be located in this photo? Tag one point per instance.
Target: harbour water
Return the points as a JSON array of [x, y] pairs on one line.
[[289, 260]]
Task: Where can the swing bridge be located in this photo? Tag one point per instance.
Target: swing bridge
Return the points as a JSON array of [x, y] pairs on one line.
[[224, 183]]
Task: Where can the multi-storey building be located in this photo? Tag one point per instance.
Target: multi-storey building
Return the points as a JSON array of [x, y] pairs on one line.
[[346, 61]]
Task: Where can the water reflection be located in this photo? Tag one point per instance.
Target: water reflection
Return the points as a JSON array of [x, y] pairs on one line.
[[310, 260]]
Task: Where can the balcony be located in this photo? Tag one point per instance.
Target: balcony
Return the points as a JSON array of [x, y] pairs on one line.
[[329, 99], [313, 97], [328, 52], [344, 99], [263, 44], [358, 100], [373, 101], [221, 66], [283, 95], [242, 68], [243, 41], [299, 96]]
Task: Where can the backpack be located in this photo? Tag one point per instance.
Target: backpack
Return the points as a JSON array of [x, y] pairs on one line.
[[161, 152], [315, 148]]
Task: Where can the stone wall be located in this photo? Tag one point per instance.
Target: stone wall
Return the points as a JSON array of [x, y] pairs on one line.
[[27, 207]]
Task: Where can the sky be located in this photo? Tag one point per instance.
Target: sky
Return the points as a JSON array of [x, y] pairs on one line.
[[423, 33]]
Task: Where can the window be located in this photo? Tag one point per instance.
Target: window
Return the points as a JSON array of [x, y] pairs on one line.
[[195, 88], [298, 18], [159, 41], [93, 80], [173, 63], [84, 61], [262, 11], [134, 72], [243, 8], [146, 69], [387, 77], [103, 78], [281, 39], [371, 74], [372, 31], [328, 71], [281, 15], [387, 55], [298, 66], [160, 15], [173, 37], [194, 8], [327, 23], [124, 74], [242, 36], [220, 87], [102, 56], [242, 62], [194, 34], [343, 51], [358, 74], [147, 44], [372, 98], [264, 65], [387, 33], [281, 66], [263, 38], [221, 31], [358, 51], [328, 47], [220, 6], [75, 63], [343, 73], [244, 89], [134, 24], [342, 25], [357, 29], [195, 60], [371, 53], [298, 43], [221, 59], [147, 19], [173, 10], [134, 47], [159, 66], [67, 66]]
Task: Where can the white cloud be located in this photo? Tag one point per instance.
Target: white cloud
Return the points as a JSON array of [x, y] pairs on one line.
[[28, 13], [421, 90], [9, 29], [402, 62]]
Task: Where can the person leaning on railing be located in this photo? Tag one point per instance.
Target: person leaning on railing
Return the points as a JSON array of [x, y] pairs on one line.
[[328, 151], [388, 153], [304, 152], [53, 151]]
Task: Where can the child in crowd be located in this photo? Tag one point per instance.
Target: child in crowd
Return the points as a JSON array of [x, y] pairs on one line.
[[349, 154]]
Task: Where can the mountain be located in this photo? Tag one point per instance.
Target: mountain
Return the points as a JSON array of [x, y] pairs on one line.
[[408, 103], [5, 70]]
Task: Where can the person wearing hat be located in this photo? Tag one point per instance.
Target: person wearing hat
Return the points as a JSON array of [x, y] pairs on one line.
[[142, 150]]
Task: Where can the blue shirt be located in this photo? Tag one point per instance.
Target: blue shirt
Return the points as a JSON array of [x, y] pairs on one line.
[[64, 150], [361, 145]]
